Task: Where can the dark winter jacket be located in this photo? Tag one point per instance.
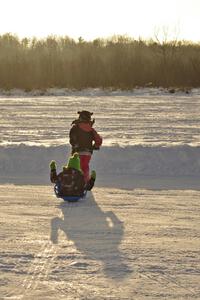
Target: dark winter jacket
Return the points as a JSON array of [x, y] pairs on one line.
[[70, 181], [83, 137]]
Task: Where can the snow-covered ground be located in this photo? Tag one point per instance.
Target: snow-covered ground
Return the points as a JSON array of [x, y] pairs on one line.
[[116, 244], [144, 117], [136, 236]]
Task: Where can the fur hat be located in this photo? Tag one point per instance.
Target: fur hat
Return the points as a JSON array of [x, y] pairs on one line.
[[85, 115], [74, 162]]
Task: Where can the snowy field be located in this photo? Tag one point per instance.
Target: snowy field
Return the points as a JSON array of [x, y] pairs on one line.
[[137, 235]]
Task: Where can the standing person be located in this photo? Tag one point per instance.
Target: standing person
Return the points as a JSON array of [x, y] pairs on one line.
[[84, 139]]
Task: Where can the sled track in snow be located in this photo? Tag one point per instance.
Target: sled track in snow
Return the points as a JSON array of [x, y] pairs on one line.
[[39, 269], [168, 281], [37, 272]]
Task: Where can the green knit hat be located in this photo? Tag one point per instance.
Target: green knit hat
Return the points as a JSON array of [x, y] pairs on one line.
[[74, 162]]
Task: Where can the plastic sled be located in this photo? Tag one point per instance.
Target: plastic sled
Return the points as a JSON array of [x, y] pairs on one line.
[[68, 198]]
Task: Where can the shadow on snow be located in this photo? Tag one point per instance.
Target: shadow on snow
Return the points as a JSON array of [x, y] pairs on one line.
[[95, 233]]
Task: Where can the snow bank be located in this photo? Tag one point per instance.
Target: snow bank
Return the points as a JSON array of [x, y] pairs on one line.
[[90, 92], [25, 161]]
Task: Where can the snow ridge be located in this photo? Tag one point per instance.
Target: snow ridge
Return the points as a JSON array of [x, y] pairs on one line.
[[98, 92], [22, 160]]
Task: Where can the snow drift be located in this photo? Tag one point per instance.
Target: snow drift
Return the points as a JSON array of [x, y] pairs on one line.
[[26, 161]]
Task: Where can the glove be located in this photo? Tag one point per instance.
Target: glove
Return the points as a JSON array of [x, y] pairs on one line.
[[95, 148], [52, 165], [75, 148]]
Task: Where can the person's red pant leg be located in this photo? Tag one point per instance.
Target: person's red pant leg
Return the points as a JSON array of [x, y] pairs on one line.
[[85, 160]]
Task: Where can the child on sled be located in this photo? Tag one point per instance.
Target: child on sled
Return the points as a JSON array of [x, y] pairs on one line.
[[71, 180]]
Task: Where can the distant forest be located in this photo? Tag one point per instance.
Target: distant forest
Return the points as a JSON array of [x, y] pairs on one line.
[[119, 62]]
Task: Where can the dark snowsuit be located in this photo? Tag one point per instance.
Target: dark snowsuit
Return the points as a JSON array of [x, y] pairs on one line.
[[71, 182], [84, 139]]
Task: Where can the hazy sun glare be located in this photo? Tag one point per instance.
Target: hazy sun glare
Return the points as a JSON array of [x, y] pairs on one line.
[[101, 18]]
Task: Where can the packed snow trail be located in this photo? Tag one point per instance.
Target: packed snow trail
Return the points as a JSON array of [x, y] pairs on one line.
[[116, 244]]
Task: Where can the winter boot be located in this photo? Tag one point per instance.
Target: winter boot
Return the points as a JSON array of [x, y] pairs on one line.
[[91, 182]]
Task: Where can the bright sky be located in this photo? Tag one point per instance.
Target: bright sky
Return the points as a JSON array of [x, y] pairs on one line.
[[101, 18]]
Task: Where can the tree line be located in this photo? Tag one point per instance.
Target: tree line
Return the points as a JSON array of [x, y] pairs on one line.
[[118, 62]]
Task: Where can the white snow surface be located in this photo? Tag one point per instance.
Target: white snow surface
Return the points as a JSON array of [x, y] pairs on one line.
[[115, 244], [137, 234], [115, 166], [146, 132], [148, 117]]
